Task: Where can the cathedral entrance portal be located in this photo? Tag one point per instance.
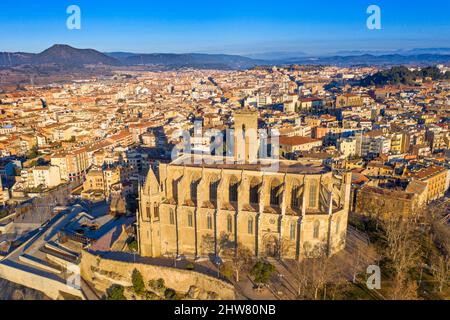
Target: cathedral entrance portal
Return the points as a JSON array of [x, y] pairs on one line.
[[271, 246]]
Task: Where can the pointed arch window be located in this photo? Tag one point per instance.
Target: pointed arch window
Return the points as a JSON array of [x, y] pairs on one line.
[[175, 190], [171, 217], [156, 210], [312, 201], [230, 223], [250, 225], [254, 192], [209, 224], [316, 230], [295, 203], [213, 186], [292, 231], [275, 193], [233, 190], [193, 191], [190, 220]]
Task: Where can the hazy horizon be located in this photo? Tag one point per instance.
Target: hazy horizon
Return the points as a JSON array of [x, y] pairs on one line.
[[230, 27]]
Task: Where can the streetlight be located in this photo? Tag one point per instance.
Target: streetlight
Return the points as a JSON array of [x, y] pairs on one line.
[[218, 263]]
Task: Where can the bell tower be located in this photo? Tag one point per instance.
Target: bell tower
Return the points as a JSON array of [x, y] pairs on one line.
[[246, 136]]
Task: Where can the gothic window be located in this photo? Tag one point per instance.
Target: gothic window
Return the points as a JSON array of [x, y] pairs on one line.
[[250, 225], [312, 201], [209, 224], [194, 187], [175, 190], [233, 190], [230, 223], [292, 230], [171, 216], [254, 192], [295, 203], [275, 193], [316, 230], [148, 212], [156, 210], [190, 220], [213, 186]]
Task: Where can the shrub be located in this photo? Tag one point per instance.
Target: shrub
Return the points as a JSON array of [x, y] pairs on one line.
[[227, 271], [157, 284], [133, 246], [151, 296], [190, 266], [116, 293], [170, 294], [138, 282], [262, 271]]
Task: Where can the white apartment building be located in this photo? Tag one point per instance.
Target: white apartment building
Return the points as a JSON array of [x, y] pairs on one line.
[[347, 146], [45, 176], [372, 145]]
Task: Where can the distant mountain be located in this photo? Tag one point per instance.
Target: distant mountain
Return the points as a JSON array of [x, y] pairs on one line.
[[15, 58], [191, 60], [404, 52], [65, 58], [374, 60], [58, 54], [417, 51], [67, 55], [120, 55], [280, 55]]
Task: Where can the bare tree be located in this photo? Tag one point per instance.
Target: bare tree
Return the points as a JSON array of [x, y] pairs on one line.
[[302, 277], [440, 268], [208, 244], [403, 251], [321, 271], [242, 260]]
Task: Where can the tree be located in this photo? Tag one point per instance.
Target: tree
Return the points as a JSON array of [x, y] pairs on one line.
[[321, 271], [133, 245], [401, 239], [441, 271], [138, 282], [208, 244], [34, 153], [170, 294], [225, 245], [241, 260], [262, 272], [158, 284], [301, 275], [116, 293]]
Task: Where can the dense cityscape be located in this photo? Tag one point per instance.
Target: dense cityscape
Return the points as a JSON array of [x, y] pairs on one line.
[[88, 172], [223, 159]]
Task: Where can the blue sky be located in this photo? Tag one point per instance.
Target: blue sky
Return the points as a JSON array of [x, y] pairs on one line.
[[232, 26]]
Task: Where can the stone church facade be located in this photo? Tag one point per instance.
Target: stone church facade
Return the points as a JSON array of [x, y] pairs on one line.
[[195, 208]]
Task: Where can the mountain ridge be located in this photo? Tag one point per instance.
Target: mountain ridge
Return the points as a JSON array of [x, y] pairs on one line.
[[67, 56]]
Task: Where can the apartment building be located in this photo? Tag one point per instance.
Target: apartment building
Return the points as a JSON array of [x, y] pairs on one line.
[[72, 164], [436, 180], [41, 176]]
